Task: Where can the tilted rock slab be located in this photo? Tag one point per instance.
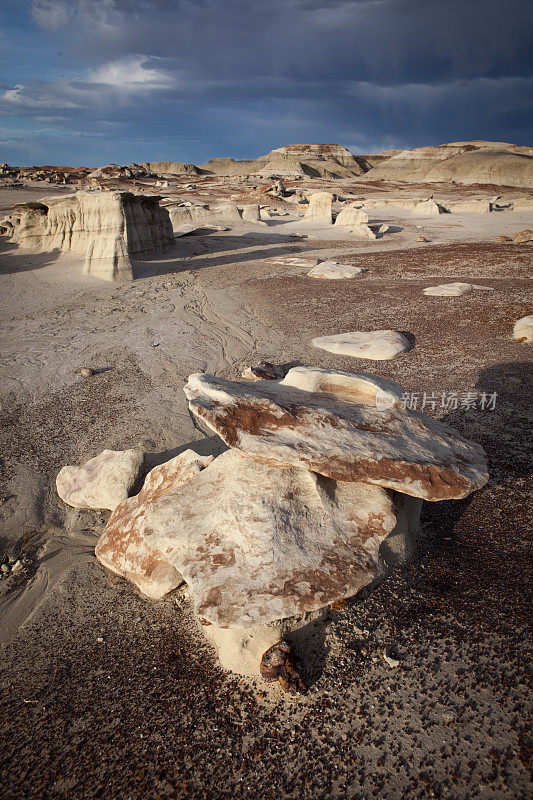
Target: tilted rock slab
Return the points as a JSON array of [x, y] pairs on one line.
[[375, 345], [103, 482], [256, 543], [123, 550], [105, 227], [454, 289], [335, 271], [282, 426]]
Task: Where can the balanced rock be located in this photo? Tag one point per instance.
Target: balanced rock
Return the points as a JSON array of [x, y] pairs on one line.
[[375, 345], [105, 227], [454, 289], [352, 439], [523, 329], [103, 482], [319, 209], [334, 271], [121, 547]]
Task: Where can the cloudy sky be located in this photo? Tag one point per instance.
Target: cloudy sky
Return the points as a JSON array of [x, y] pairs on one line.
[[100, 81]]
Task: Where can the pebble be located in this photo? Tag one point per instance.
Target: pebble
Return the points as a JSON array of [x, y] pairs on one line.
[[86, 372]]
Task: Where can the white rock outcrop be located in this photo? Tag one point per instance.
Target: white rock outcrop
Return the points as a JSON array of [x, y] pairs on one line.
[[364, 231], [428, 208], [102, 482], [335, 271], [375, 345], [319, 209], [104, 227], [351, 215], [197, 215], [454, 289], [252, 213], [122, 548], [474, 205], [523, 329]]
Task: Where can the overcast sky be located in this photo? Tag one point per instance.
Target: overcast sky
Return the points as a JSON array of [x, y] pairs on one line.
[[100, 81]]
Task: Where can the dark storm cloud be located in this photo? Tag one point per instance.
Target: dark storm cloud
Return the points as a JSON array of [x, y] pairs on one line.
[[235, 77]]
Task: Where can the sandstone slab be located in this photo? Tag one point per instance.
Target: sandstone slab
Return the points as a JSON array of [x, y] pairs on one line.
[[256, 543], [375, 345], [334, 271], [121, 547], [347, 440], [454, 289], [103, 482]]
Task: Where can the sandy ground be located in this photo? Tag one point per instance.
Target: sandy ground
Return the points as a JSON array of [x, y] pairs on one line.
[[109, 695]]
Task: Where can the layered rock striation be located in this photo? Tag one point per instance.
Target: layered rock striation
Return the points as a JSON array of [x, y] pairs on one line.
[[105, 227]]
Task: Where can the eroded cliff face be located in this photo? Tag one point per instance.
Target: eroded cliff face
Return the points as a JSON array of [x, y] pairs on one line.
[[465, 162], [105, 227]]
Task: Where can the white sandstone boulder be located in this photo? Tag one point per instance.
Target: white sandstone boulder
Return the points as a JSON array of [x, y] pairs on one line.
[[523, 329], [375, 345], [121, 547], [351, 215], [334, 271], [363, 231], [102, 482], [319, 209]]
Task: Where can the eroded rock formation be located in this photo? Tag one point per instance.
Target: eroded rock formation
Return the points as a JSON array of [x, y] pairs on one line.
[[375, 345], [105, 227], [323, 480], [103, 482], [280, 425]]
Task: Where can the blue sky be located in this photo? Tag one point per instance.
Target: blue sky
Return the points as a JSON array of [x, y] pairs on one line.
[[100, 81]]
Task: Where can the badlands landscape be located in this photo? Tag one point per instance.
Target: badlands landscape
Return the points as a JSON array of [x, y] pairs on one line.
[[265, 442]]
